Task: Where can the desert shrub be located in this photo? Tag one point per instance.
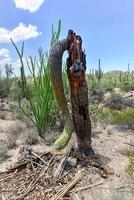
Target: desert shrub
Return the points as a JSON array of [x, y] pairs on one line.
[[121, 117], [30, 137], [130, 168], [4, 88], [107, 84], [17, 115], [3, 150], [124, 117], [11, 141], [129, 151], [117, 97], [14, 131], [16, 128], [95, 111], [94, 86], [14, 92], [127, 86], [3, 115], [6, 81], [124, 81], [99, 87], [115, 101], [106, 116]]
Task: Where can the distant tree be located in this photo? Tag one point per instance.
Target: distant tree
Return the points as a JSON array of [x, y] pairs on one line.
[[0, 73], [6, 81], [8, 71]]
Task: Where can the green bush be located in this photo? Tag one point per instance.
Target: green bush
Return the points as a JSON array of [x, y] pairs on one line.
[[4, 88], [99, 87], [125, 117], [122, 117], [95, 112], [109, 80], [127, 86], [14, 91]]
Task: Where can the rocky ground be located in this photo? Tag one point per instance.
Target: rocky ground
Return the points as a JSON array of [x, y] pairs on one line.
[[108, 143]]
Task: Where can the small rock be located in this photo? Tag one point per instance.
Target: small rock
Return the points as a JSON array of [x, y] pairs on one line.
[[118, 175], [25, 151], [128, 99], [72, 161]]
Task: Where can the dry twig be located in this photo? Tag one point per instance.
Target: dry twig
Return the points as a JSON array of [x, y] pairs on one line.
[[59, 171], [33, 183], [67, 187], [38, 157]]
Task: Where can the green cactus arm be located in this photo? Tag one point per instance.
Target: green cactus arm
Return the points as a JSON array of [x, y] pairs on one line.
[[55, 63]]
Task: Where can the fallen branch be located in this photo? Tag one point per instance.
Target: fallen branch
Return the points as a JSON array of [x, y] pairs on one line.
[[67, 187]]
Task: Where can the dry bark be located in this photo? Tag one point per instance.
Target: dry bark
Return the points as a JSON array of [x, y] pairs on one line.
[[76, 66], [79, 100]]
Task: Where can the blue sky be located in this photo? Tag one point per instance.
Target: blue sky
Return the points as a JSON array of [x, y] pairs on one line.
[[106, 27]]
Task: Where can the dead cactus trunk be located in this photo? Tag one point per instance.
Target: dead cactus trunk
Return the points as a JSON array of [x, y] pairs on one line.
[[76, 66]]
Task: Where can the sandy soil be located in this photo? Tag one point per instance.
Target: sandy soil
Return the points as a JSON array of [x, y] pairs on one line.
[[107, 143], [4, 125]]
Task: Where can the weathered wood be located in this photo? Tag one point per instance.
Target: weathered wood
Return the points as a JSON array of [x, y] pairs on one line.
[[68, 186], [76, 66], [82, 123]]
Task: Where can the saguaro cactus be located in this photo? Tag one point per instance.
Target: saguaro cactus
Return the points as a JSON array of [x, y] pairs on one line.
[[76, 66]]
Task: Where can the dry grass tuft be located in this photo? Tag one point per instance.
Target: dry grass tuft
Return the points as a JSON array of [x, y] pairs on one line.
[[130, 153], [16, 128], [3, 150], [31, 137], [3, 115], [11, 141]]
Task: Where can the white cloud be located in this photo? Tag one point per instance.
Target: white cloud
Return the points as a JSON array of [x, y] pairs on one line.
[[21, 32], [4, 53], [31, 5], [4, 61], [4, 56]]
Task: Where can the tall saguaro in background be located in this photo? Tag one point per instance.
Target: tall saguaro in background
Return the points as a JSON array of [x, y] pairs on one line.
[[76, 67]]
